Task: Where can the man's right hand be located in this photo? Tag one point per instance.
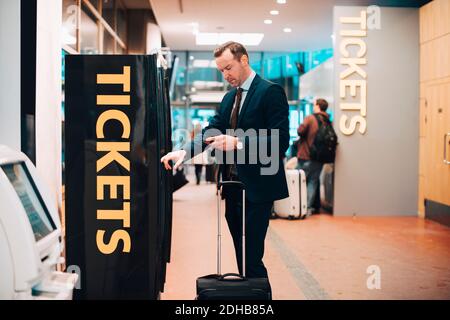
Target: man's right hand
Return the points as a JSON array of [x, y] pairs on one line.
[[175, 156]]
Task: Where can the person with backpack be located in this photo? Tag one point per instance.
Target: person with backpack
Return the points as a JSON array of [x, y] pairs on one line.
[[317, 146]]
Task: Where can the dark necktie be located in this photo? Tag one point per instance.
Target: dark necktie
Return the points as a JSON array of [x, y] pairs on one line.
[[230, 169], [237, 106]]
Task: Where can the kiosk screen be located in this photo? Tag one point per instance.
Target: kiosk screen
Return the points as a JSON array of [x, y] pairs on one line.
[[35, 208]]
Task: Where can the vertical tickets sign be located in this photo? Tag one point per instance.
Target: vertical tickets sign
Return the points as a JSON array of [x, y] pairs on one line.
[[114, 156], [117, 195], [353, 79], [376, 77]]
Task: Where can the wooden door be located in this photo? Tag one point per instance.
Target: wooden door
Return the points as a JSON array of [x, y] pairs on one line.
[[437, 143]]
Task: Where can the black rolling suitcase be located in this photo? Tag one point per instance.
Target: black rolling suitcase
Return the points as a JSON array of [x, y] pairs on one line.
[[231, 286]]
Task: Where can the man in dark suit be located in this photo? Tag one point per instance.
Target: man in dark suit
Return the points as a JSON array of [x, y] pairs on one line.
[[252, 124]]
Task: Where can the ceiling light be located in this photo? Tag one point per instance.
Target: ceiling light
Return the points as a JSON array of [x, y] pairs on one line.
[[268, 21], [204, 38], [274, 12], [250, 39], [281, 1], [225, 37], [287, 30], [201, 63]]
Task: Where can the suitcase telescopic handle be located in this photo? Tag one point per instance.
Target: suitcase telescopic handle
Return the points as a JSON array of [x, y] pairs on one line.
[[233, 276], [236, 184], [221, 185]]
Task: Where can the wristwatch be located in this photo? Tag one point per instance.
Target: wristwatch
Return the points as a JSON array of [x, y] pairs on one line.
[[239, 144]]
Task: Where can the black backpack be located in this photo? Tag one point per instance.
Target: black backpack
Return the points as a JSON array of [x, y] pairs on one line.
[[323, 148]]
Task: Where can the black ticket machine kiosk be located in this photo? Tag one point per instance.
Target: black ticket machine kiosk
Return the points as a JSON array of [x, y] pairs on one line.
[[118, 195]]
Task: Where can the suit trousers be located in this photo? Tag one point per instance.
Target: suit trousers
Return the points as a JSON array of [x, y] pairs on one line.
[[257, 222]]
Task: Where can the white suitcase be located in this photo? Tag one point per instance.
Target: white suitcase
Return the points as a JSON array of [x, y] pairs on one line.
[[296, 205]]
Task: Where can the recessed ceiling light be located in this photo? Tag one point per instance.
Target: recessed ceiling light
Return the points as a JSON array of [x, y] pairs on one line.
[[281, 1], [268, 21], [287, 30], [274, 12]]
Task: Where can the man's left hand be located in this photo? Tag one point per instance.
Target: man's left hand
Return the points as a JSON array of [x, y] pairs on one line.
[[222, 142]]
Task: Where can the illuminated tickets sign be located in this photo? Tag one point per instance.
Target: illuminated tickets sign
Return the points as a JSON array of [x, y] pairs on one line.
[[353, 79], [114, 153]]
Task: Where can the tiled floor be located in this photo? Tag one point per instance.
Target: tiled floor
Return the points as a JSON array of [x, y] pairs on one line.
[[322, 257]]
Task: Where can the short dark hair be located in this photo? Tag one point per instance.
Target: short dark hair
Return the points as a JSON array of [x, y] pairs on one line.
[[323, 104], [237, 49]]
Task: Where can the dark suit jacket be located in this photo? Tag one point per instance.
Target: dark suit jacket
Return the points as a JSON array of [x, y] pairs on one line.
[[265, 107]]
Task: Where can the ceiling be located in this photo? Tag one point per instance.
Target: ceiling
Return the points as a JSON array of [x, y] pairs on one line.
[[310, 20], [136, 4]]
